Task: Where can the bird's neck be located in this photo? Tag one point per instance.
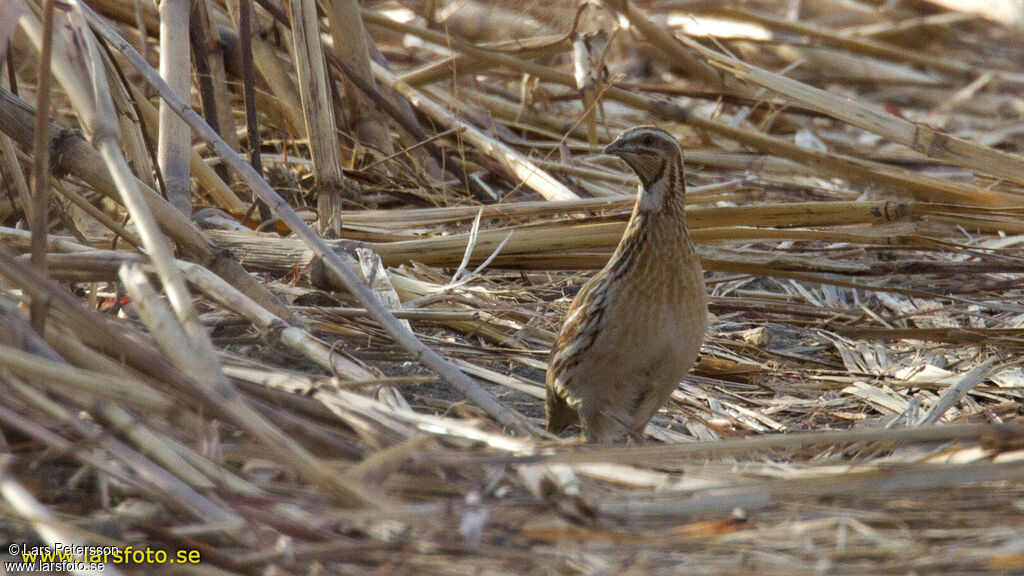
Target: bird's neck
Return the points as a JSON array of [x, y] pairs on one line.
[[664, 194], [657, 227]]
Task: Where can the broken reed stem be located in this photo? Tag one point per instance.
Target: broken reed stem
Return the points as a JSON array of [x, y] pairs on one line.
[[919, 137], [82, 160], [275, 328], [761, 495], [106, 139], [39, 213], [142, 474], [200, 359], [652, 454], [529, 173], [356, 286], [856, 170], [318, 112], [21, 501], [213, 384]]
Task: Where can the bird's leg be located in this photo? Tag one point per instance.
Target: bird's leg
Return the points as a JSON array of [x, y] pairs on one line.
[[637, 436]]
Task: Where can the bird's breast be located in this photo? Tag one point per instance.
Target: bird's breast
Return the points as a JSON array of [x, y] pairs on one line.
[[661, 305]]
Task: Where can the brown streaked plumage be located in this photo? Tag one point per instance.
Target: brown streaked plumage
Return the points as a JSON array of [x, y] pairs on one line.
[[635, 328]]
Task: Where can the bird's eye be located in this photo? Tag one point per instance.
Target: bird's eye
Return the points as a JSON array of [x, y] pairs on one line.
[[648, 140]]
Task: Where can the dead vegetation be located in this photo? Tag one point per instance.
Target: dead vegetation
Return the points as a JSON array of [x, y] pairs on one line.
[[367, 398]]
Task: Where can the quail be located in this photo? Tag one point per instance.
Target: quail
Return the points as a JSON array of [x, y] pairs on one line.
[[635, 329]]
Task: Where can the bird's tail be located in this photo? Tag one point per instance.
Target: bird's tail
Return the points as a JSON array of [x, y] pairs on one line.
[[559, 415]]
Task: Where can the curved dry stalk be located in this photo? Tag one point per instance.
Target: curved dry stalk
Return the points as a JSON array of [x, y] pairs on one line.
[[531, 175], [917, 136], [282, 210], [213, 384], [81, 160]]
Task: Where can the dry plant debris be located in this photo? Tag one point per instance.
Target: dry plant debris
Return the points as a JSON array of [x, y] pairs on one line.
[[367, 400]]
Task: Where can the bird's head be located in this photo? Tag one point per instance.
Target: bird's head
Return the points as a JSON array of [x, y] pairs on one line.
[[657, 159]]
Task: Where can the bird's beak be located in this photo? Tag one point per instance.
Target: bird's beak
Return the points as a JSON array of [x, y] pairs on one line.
[[614, 149]]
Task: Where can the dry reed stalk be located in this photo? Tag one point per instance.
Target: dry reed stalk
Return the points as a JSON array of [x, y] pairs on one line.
[[318, 111], [47, 526], [670, 49], [531, 175], [835, 307], [41, 164], [460, 64], [141, 473], [214, 387], [174, 140], [152, 445], [277, 330], [278, 78], [350, 45], [91, 326], [21, 185], [84, 385], [851, 43], [207, 178], [105, 137], [919, 137], [858, 171], [910, 477], [83, 161], [281, 209], [665, 453], [215, 95]]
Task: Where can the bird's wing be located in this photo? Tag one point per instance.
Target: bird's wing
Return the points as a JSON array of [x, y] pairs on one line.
[[579, 330]]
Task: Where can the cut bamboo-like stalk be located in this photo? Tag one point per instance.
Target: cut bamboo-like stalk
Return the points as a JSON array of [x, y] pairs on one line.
[[319, 114], [206, 176], [174, 142]]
